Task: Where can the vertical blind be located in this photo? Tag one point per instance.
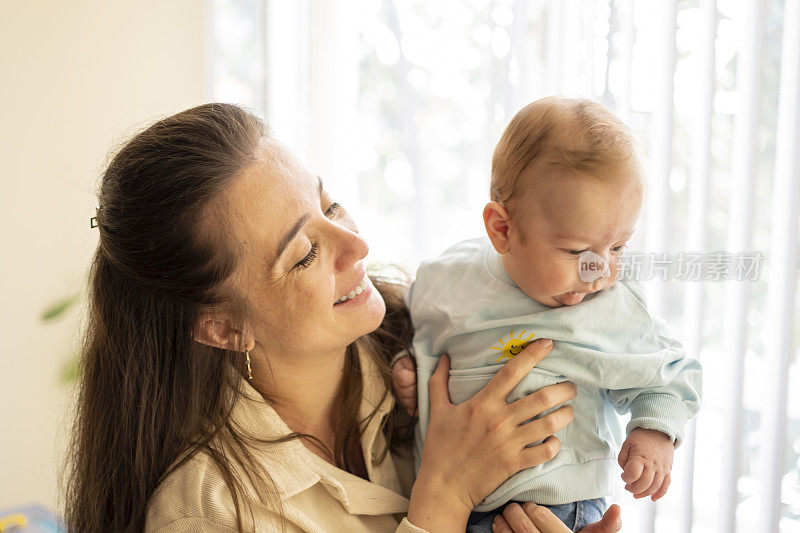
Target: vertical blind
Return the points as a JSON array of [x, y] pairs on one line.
[[397, 105]]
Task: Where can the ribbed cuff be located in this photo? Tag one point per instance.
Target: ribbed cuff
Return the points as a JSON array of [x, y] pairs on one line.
[[661, 412], [407, 527], [564, 484]]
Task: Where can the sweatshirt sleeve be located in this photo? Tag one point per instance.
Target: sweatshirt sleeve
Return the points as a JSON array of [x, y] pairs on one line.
[[672, 395]]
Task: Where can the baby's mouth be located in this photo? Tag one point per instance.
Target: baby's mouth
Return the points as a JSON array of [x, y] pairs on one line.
[[573, 297]]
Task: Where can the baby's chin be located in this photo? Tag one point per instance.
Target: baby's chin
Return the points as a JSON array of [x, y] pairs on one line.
[[553, 301]]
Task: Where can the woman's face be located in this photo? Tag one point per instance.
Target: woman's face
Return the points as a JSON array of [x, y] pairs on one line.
[[301, 270]]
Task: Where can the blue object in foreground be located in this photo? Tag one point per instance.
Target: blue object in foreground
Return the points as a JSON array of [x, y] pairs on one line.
[[38, 518]]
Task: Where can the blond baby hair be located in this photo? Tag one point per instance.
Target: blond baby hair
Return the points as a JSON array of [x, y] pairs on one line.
[[572, 133]]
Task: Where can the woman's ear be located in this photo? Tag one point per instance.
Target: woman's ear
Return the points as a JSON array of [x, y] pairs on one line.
[[495, 218], [217, 330]]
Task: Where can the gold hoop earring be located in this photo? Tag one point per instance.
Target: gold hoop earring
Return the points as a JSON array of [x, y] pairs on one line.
[[249, 370]]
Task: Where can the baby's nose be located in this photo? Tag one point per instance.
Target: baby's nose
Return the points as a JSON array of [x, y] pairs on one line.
[[592, 267]]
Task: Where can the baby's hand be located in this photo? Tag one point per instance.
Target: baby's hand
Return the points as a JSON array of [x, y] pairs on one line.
[[404, 379], [646, 461]]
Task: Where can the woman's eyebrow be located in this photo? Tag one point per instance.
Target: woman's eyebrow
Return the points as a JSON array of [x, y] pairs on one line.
[[292, 233], [284, 244]]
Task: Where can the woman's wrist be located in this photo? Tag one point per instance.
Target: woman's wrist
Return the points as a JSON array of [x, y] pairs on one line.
[[435, 507]]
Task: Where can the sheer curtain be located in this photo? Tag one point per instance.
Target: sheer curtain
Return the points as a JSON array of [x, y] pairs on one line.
[[398, 105]]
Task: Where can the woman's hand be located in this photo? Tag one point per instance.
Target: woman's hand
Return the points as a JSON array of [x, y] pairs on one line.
[[531, 518], [473, 447]]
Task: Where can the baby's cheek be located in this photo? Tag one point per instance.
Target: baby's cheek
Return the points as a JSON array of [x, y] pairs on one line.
[[562, 277]]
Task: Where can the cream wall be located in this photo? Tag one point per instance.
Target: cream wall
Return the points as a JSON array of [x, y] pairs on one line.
[[76, 77]]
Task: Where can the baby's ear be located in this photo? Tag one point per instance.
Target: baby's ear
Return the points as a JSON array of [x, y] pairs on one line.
[[495, 218]]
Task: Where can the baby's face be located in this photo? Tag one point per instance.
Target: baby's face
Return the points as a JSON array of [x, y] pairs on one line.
[[558, 219]]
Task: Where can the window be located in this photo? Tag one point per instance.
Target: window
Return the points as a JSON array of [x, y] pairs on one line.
[[398, 106]]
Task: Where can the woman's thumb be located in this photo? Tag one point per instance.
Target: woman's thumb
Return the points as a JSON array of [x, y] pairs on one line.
[[437, 385], [611, 522]]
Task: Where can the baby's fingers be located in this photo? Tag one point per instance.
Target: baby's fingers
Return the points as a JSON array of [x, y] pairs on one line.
[[406, 361], [404, 379], [658, 479], [632, 470], [644, 481], [624, 453], [663, 489]]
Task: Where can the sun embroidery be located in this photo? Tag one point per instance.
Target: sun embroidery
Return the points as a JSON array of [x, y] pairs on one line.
[[513, 346]]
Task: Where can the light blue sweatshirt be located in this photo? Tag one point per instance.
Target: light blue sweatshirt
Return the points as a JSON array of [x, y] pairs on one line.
[[619, 355]]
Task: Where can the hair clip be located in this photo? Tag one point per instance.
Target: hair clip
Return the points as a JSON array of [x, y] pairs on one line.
[[93, 222]]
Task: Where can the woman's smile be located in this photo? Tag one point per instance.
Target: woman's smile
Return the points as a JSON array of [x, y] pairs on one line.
[[359, 294]]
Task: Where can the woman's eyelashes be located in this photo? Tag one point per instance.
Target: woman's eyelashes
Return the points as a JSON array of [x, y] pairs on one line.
[[309, 258], [305, 262]]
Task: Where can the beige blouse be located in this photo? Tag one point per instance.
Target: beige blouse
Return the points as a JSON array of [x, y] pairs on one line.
[[315, 496]]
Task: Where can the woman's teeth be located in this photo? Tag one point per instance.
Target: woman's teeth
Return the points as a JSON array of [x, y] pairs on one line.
[[355, 292]]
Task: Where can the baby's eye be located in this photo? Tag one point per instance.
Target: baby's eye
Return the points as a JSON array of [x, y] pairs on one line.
[[333, 210], [618, 249], [575, 252]]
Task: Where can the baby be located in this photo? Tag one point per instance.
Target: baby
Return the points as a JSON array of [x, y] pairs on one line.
[[566, 191]]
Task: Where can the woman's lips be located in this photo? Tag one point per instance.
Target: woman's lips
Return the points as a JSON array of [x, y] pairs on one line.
[[357, 293]]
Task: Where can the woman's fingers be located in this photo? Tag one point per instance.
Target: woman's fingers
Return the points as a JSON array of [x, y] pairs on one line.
[[536, 455], [474, 446], [610, 523], [518, 520], [544, 519], [501, 526], [437, 385], [538, 429], [545, 398], [513, 371]]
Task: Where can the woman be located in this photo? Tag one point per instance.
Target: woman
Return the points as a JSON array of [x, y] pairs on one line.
[[235, 370]]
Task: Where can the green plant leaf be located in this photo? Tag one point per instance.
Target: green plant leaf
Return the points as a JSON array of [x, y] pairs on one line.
[[70, 370], [57, 309]]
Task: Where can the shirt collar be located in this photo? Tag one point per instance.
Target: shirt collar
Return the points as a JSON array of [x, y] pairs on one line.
[[495, 266], [294, 469]]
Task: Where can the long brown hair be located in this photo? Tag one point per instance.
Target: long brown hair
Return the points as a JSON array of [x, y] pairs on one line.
[[150, 397]]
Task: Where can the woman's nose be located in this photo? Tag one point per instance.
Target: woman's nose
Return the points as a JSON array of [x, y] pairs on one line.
[[352, 248]]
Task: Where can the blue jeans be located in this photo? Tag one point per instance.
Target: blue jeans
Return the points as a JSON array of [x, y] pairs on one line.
[[575, 515]]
